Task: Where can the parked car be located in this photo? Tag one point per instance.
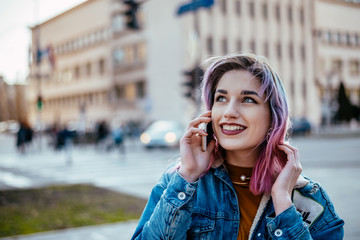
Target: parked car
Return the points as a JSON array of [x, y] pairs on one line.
[[300, 126], [162, 134]]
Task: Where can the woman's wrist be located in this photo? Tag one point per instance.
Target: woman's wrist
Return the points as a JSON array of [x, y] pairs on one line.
[[190, 177], [281, 201]]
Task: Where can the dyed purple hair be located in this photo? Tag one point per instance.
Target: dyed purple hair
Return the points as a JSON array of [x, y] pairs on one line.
[[271, 159]]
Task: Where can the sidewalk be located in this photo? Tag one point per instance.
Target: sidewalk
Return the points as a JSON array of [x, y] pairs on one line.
[[119, 231], [346, 176]]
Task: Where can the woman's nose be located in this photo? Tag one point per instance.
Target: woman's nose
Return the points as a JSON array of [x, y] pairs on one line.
[[231, 111]]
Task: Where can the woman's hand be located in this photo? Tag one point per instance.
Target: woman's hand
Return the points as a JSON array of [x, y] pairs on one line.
[[285, 182], [194, 161]]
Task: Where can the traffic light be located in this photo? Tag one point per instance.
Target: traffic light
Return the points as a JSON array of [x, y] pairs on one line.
[[192, 83], [39, 103], [130, 13]]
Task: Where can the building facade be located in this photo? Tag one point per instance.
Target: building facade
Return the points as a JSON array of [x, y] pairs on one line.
[[337, 59], [94, 68], [13, 104]]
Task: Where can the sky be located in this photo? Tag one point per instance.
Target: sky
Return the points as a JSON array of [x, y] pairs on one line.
[[16, 16]]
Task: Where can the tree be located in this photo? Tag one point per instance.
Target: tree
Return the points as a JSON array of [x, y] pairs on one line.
[[345, 110]]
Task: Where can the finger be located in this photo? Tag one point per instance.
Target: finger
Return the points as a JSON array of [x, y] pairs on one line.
[[288, 151], [206, 114], [291, 156], [197, 121], [295, 151], [192, 131], [211, 146]]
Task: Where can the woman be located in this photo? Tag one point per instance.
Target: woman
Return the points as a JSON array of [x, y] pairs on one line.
[[247, 184]]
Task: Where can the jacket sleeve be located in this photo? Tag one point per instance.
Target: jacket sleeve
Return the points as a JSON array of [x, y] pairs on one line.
[[290, 225], [167, 214], [287, 225]]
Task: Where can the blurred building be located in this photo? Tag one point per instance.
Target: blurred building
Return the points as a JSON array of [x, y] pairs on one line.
[[91, 67], [87, 66], [337, 49], [13, 102]]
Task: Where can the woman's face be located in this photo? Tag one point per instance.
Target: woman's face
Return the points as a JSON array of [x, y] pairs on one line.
[[241, 118]]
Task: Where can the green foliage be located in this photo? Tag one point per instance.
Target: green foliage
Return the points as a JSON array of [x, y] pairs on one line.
[[345, 111], [59, 207]]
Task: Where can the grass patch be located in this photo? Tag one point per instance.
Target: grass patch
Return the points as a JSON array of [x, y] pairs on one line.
[[59, 207]]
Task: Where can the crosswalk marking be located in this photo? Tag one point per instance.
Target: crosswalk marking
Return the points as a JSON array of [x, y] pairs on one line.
[[113, 170]]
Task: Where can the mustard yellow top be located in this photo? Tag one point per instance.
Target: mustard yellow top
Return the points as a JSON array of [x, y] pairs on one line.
[[248, 202]]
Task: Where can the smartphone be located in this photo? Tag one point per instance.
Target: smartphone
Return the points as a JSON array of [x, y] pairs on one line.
[[207, 127]]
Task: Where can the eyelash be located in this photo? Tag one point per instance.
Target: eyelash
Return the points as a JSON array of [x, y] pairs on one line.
[[244, 99]]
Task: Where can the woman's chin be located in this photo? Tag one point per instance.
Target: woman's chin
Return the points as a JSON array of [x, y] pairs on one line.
[[230, 146]]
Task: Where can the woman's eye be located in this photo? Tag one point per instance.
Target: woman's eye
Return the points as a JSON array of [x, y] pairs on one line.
[[221, 99], [249, 100]]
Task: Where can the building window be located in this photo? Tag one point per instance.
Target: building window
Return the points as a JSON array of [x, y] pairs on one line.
[[336, 65], [238, 7], [118, 56], [292, 88], [328, 37], [238, 45], [224, 46], [278, 50], [347, 39], [223, 6], [130, 91], [354, 67], [252, 46], [88, 69], [77, 72], [291, 51], [266, 49], [277, 12], [338, 38], [304, 90], [142, 52], [90, 98], [66, 75], [104, 34], [120, 91], [252, 9], [356, 40], [86, 41], [209, 45], [290, 14], [136, 53], [140, 89], [303, 52], [129, 54], [80, 43], [265, 11], [101, 66], [98, 36], [92, 38]]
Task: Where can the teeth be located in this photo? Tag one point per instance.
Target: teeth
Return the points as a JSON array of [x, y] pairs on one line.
[[232, 127]]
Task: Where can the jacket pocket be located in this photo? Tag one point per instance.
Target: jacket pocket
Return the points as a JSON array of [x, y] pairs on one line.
[[201, 227]]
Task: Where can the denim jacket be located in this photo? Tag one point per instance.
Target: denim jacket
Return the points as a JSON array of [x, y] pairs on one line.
[[208, 209]]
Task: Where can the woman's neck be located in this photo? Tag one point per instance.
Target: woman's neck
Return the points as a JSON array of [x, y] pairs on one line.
[[242, 159]]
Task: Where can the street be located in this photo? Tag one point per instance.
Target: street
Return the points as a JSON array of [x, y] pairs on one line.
[[334, 163]]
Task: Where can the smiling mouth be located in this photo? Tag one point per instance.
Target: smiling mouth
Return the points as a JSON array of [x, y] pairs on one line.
[[228, 129]]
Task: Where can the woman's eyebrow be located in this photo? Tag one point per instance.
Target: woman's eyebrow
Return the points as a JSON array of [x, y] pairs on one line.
[[221, 91], [243, 92], [248, 92]]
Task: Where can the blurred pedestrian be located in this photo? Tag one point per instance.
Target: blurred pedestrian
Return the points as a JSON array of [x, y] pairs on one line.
[[246, 183], [64, 142], [24, 136], [118, 138], [102, 132]]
